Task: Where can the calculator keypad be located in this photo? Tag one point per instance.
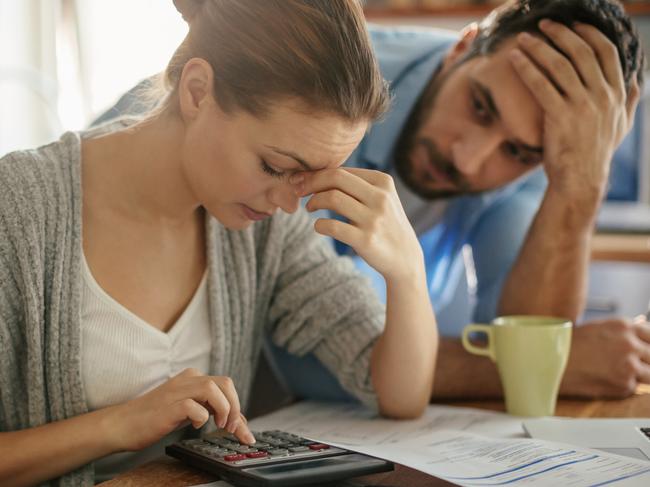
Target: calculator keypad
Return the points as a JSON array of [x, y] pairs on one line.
[[271, 446]]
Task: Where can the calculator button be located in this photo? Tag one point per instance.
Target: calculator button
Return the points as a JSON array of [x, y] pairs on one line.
[[257, 454], [234, 458], [222, 452], [318, 446], [297, 449], [213, 450], [223, 443], [261, 445], [245, 449], [217, 441], [278, 452]]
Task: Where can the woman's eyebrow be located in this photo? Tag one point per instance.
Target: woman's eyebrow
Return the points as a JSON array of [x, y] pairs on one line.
[[293, 156]]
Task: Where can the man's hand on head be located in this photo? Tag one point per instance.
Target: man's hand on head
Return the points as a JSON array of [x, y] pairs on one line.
[[609, 358], [578, 81]]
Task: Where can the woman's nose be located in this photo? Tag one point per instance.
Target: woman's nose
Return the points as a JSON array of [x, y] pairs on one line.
[[284, 196]]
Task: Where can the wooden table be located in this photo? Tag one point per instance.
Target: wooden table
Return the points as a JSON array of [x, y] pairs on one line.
[[171, 473], [621, 247]]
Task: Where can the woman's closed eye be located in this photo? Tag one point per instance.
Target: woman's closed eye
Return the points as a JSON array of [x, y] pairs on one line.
[[270, 171]]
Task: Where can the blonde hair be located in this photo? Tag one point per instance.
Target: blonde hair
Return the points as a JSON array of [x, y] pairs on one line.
[[261, 51]]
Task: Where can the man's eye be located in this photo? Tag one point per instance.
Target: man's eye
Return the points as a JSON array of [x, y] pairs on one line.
[[523, 157], [480, 110], [270, 171], [512, 150]]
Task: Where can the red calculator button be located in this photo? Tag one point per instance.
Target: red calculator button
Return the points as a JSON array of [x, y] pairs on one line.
[[257, 454], [234, 458], [319, 446]]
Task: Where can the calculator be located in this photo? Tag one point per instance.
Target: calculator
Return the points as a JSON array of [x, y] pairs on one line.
[[277, 458]]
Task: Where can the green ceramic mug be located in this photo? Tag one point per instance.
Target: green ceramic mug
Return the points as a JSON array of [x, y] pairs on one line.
[[531, 353]]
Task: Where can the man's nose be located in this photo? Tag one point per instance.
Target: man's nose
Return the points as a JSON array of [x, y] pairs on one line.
[[283, 195], [474, 148]]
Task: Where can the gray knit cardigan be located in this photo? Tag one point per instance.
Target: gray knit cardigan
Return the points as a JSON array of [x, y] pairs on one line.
[[276, 276]]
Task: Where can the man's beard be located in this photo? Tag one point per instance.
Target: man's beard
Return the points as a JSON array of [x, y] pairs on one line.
[[423, 188], [408, 143]]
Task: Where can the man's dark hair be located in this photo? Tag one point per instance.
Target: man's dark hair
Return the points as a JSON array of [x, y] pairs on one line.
[[608, 16]]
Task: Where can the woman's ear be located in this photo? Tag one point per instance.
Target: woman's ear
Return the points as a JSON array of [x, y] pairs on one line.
[[195, 87], [467, 36]]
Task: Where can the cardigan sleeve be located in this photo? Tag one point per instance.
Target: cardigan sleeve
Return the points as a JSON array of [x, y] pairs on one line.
[[322, 304]]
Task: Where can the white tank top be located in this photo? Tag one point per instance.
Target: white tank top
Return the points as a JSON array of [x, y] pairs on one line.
[[122, 357]]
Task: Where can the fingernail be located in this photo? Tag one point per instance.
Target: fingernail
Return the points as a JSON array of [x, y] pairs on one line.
[[222, 423], [299, 190], [545, 24], [250, 439], [297, 178]]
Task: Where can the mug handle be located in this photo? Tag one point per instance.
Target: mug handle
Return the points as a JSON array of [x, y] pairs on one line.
[[488, 350]]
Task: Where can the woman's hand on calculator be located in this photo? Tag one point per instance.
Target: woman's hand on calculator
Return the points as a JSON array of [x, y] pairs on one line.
[[189, 397]]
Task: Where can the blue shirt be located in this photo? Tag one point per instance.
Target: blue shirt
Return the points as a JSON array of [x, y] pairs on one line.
[[494, 224]]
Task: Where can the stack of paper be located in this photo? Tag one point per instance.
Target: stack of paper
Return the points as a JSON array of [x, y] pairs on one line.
[[467, 447]]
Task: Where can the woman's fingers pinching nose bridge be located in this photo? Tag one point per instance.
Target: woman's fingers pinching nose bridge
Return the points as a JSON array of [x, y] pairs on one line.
[[298, 181]]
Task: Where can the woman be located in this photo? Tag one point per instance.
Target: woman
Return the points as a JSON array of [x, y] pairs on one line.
[[143, 262]]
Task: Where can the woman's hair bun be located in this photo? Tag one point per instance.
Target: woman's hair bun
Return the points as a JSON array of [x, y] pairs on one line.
[[189, 8]]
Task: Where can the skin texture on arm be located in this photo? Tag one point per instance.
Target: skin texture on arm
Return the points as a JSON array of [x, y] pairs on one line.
[[586, 114], [34, 455], [70, 444], [623, 343], [379, 231], [404, 350]]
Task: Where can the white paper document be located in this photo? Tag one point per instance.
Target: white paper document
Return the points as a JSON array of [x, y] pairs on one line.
[[353, 424], [464, 446]]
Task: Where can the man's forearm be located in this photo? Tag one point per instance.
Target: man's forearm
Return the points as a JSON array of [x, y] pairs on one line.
[[461, 375], [550, 274]]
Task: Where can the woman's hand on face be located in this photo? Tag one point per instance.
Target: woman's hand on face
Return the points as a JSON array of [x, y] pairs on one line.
[[188, 398], [377, 227]]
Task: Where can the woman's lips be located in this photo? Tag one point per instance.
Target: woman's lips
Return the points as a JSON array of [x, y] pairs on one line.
[[251, 214]]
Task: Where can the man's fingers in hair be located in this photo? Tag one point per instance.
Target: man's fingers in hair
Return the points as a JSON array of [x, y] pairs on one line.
[[538, 83], [557, 67], [581, 54], [607, 54]]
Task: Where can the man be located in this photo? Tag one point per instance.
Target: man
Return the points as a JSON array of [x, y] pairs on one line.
[[502, 142], [471, 139]]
